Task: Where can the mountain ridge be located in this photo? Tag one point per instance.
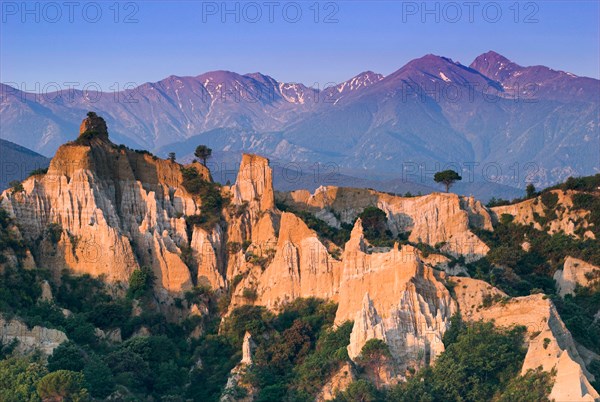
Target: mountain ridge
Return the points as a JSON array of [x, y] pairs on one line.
[[431, 110]]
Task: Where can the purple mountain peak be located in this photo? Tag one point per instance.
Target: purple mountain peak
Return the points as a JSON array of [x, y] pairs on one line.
[[262, 78], [494, 66], [362, 80], [492, 57]]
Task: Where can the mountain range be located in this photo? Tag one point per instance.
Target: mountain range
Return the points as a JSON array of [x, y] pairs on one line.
[[497, 122]]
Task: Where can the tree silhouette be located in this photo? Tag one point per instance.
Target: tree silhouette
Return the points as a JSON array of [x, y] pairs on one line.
[[203, 152], [171, 156], [530, 191], [447, 178]]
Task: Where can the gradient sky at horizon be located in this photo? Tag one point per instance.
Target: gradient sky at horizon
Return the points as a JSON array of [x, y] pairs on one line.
[[191, 37]]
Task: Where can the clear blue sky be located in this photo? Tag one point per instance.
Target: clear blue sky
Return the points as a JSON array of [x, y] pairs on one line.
[[189, 38]]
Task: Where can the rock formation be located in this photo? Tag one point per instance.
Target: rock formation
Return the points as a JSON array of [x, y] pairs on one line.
[[404, 302], [94, 126], [29, 340], [301, 266], [569, 220], [247, 349], [338, 382], [575, 273], [106, 210], [435, 219], [550, 344], [236, 376], [254, 183]]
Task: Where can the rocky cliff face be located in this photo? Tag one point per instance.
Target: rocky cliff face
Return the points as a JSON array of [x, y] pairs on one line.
[[106, 210], [434, 219], [575, 273], [30, 339], [564, 218], [393, 296]]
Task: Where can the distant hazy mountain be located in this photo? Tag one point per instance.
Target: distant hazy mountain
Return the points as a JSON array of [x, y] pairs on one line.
[[497, 122], [18, 162]]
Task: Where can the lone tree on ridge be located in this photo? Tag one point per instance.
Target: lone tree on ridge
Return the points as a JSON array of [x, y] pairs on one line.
[[447, 178], [203, 152]]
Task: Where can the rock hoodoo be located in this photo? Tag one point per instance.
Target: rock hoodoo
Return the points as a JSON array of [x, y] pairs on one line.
[[94, 125]]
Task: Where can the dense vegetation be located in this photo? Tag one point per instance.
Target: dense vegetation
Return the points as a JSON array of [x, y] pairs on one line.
[[212, 202], [155, 365], [481, 363], [296, 351]]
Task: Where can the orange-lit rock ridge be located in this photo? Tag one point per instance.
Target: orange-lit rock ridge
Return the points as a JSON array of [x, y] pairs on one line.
[[107, 210]]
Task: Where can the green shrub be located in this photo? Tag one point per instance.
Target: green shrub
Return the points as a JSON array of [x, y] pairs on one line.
[[496, 202], [374, 355], [505, 219], [108, 315], [82, 293], [533, 386], [67, 356], [234, 247], [589, 183], [99, 379], [38, 171], [549, 199], [85, 138], [54, 232], [250, 294], [199, 294], [546, 342], [212, 201], [591, 203], [140, 282], [360, 390], [374, 223], [330, 351], [16, 186]]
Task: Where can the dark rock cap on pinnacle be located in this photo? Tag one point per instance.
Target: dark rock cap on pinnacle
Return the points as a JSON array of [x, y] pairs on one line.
[[94, 124]]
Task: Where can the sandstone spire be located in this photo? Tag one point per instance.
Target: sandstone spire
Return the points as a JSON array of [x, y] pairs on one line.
[[254, 183], [247, 349], [367, 325]]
